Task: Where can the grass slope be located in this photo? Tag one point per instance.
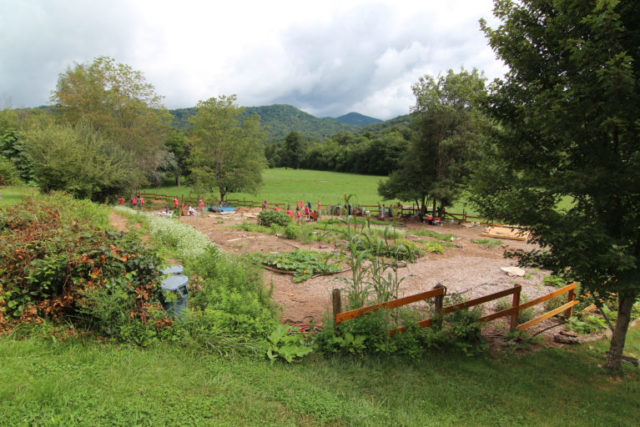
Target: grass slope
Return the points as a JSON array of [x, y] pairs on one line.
[[288, 185], [89, 383]]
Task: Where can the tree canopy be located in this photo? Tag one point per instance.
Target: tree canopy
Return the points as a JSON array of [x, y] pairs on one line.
[[448, 127], [119, 103], [225, 149], [568, 110]]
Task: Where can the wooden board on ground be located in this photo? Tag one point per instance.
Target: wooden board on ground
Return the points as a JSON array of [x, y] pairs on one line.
[[511, 233]]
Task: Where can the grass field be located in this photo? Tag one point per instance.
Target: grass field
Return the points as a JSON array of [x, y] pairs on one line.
[[13, 195], [289, 185], [89, 383]]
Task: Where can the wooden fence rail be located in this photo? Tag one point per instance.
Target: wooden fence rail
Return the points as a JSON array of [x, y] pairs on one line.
[[374, 209], [438, 293]]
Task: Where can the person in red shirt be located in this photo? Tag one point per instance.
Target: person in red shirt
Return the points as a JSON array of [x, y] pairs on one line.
[[201, 206], [275, 208], [121, 200], [290, 213], [175, 202], [141, 202], [134, 202]]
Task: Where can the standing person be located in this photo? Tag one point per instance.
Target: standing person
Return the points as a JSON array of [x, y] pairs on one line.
[[201, 206], [121, 200], [175, 203], [264, 204], [141, 202], [299, 215], [319, 208], [290, 213], [134, 202], [306, 212]]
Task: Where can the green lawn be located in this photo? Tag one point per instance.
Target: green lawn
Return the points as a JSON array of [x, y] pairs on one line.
[[89, 383], [12, 195], [289, 185]]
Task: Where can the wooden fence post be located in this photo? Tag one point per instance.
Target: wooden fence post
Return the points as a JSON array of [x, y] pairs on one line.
[[571, 295], [439, 300], [515, 303], [336, 302]]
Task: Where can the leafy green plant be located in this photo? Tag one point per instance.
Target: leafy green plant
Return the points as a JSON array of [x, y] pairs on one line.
[[586, 324], [287, 345], [303, 263], [268, 217], [487, 243], [555, 281]]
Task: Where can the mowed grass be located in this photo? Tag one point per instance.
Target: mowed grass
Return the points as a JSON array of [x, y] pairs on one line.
[[282, 185], [12, 195], [90, 383]]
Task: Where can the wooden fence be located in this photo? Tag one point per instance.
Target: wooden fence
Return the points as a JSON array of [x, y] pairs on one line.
[[438, 293], [374, 209]]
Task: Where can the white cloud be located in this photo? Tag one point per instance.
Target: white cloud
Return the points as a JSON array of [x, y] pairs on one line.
[[327, 57]]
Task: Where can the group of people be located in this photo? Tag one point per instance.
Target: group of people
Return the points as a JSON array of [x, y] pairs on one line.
[[302, 210], [136, 201]]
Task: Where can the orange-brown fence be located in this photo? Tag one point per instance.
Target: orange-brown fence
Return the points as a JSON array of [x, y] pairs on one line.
[[373, 209], [438, 294]]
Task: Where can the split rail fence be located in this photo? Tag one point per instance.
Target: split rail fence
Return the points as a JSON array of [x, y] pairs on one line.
[[374, 209], [438, 294]]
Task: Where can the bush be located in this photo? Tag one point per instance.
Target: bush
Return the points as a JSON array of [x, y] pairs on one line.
[[268, 217], [9, 174], [55, 266]]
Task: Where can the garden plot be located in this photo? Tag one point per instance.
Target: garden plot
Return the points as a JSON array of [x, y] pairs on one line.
[[465, 267]]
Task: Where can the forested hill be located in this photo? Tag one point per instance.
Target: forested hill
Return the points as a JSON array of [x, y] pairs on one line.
[[357, 119], [280, 120]]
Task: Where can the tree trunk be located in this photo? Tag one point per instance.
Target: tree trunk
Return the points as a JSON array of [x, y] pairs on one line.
[[433, 211], [177, 180], [222, 194], [625, 304]]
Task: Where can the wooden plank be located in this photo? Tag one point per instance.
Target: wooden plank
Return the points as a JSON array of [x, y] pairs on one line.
[[480, 300], [548, 296], [352, 314], [508, 312], [547, 315]]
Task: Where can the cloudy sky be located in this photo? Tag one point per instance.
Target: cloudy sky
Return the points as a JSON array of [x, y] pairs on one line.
[[323, 56]]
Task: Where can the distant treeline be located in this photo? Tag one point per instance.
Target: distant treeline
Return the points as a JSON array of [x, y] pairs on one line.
[[375, 150]]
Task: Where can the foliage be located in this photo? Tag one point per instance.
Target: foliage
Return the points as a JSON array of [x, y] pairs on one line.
[[439, 236], [118, 102], [586, 324], [449, 127], [8, 172], [12, 147], [303, 263], [487, 243], [568, 113], [555, 281], [180, 239], [55, 264], [229, 296], [268, 216], [225, 149], [79, 160], [288, 345]]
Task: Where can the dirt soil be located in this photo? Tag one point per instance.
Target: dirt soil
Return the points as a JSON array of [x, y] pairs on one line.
[[468, 269]]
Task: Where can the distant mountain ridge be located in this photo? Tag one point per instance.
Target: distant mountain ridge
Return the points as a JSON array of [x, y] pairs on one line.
[[281, 119], [357, 119]]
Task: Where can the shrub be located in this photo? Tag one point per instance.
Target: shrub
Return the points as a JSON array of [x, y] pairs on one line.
[[268, 217], [63, 268], [9, 174]]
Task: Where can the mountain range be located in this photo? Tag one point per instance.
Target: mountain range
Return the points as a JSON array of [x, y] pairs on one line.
[[281, 119]]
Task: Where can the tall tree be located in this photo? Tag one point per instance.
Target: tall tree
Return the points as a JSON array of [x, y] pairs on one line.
[[225, 149], [569, 108], [448, 129], [119, 103]]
